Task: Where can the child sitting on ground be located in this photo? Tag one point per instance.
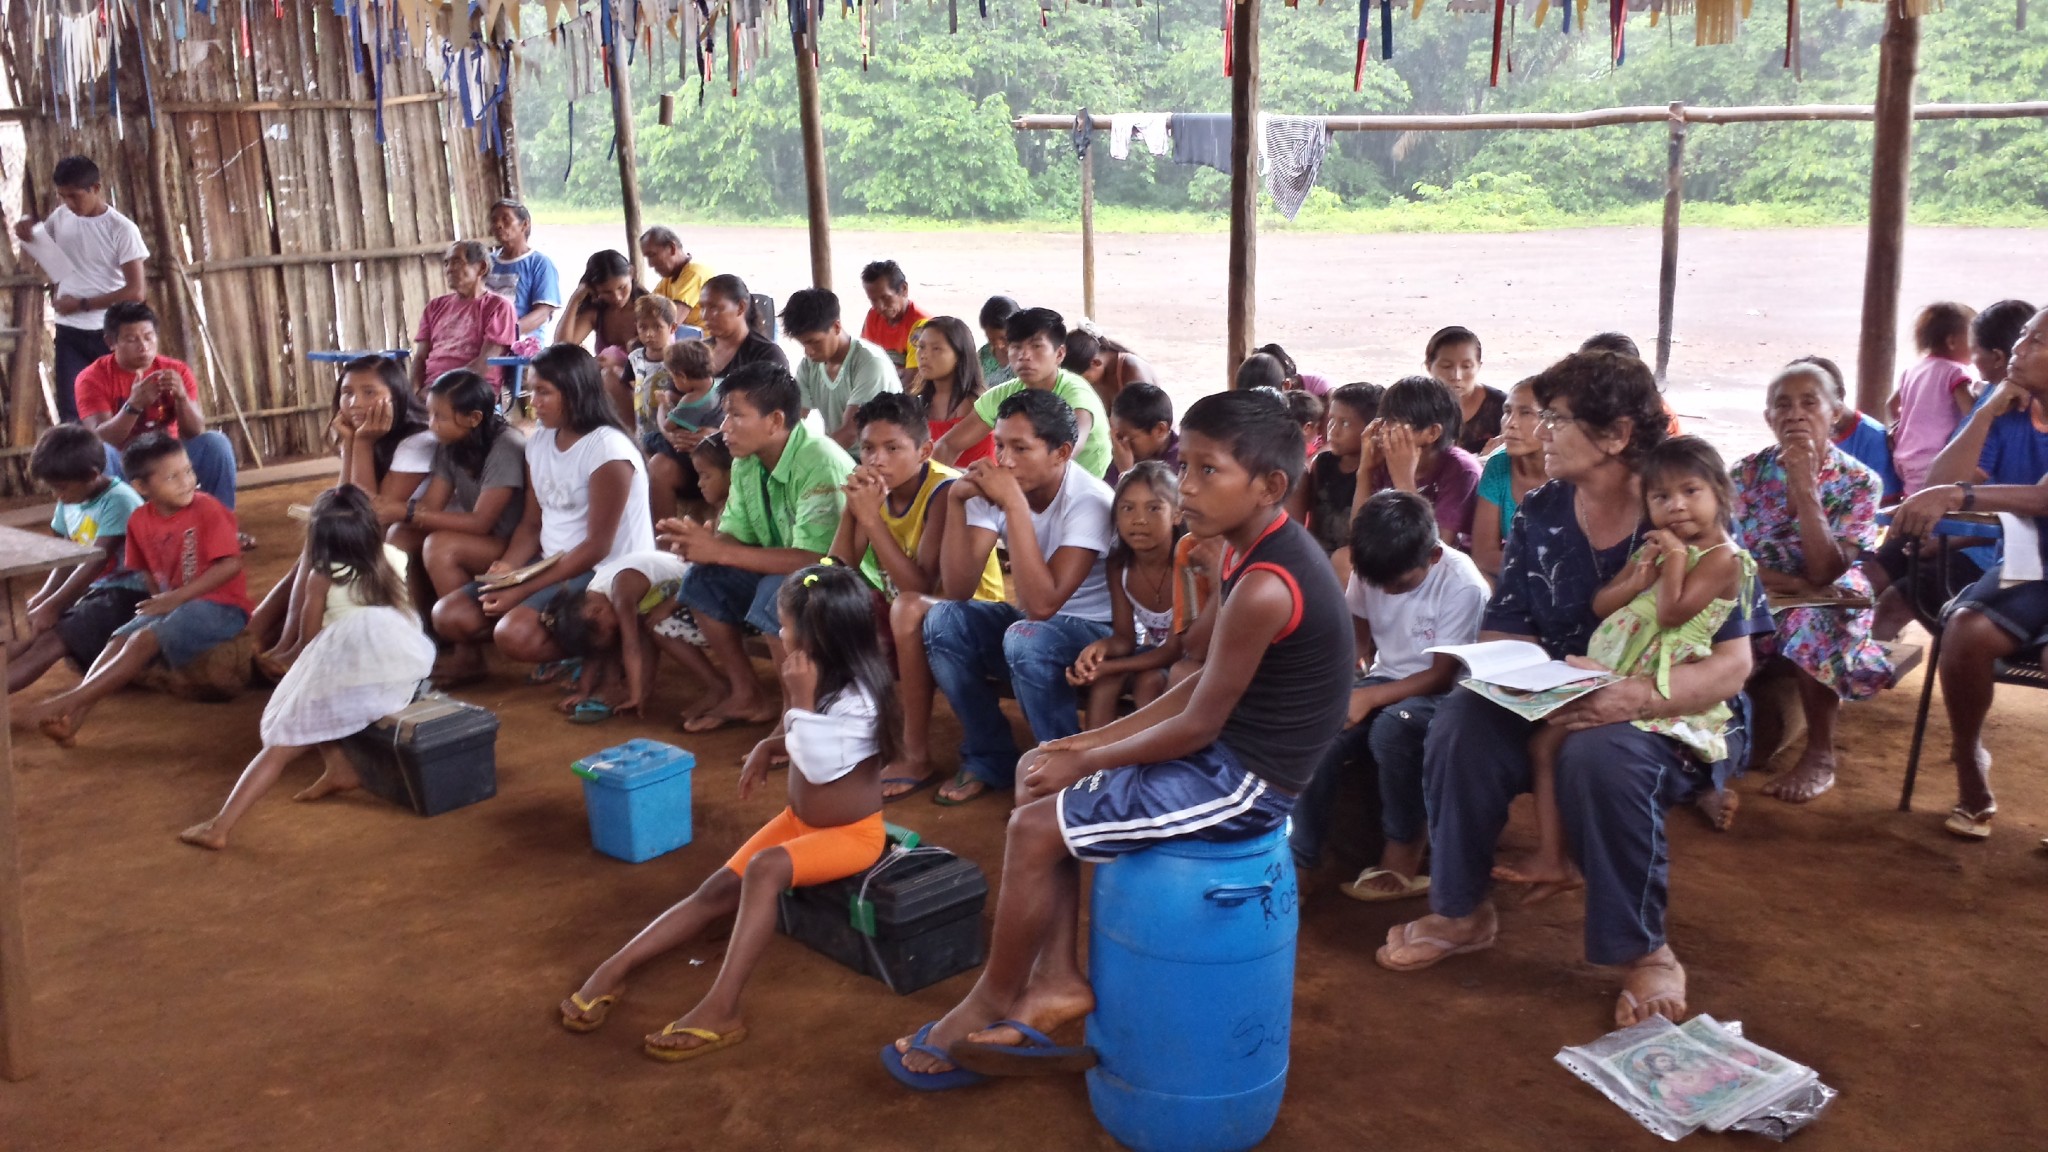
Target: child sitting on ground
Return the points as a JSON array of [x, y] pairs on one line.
[[1219, 758], [1141, 428], [1309, 411], [364, 660], [1408, 593], [686, 413], [841, 726], [1328, 495], [1659, 612], [1414, 447], [77, 609], [1143, 642], [1933, 395], [184, 543]]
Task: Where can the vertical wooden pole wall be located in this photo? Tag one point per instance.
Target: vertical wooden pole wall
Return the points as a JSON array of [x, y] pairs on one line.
[[1242, 301], [1891, 168], [16, 1063], [819, 208], [1667, 271], [1088, 231], [622, 127]]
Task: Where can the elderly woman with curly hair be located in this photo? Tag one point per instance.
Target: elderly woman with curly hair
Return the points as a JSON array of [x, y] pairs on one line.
[[1600, 415]]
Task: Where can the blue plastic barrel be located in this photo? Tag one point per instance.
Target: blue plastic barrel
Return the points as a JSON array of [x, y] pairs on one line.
[[1191, 954]]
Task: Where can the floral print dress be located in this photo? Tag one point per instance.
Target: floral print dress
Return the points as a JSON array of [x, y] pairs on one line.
[[1831, 645], [1631, 642]]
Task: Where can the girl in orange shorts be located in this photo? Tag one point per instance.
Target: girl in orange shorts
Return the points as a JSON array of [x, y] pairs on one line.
[[841, 725]]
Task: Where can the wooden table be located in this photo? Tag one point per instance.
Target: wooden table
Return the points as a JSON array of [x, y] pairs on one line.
[[21, 554]]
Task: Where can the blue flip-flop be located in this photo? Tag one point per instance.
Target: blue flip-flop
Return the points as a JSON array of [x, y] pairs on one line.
[[917, 784], [590, 711], [1039, 1055], [955, 1077]]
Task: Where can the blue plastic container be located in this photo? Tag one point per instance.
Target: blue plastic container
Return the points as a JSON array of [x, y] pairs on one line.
[[1191, 954], [638, 798]]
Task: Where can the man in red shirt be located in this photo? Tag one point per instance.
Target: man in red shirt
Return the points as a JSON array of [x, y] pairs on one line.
[[132, 391], [893, 320]]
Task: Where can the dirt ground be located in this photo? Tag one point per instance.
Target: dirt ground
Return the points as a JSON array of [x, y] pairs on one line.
[[1361, 307], [349, 976]]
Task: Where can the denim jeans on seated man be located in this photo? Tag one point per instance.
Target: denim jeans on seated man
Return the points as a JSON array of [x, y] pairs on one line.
[[733, 596], [1388, 741], [213, 462], [972, 643]]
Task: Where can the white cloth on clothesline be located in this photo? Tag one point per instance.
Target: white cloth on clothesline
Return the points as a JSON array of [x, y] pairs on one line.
[[1149, 127]]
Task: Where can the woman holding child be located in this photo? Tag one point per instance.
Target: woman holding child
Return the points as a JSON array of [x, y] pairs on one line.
[[1806, 510], [1600, 415]]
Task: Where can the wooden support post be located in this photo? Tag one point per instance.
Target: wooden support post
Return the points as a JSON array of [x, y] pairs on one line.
[[508, 163], [15, 1061], [1242, 302], [622, 129], [820, 209], [1088, 231], [1667, 272], [1891, 168]]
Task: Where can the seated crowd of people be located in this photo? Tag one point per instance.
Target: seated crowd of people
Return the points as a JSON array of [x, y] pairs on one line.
[[910, 512]]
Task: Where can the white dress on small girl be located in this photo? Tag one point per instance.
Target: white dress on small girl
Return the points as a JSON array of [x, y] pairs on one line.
[[364, 664]]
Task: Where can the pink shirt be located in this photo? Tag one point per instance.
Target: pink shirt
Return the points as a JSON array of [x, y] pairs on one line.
[[1927, 417], [456, 330]]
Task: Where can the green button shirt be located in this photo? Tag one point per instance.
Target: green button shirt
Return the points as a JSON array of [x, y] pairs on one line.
[[795, 506], [1092, 454]]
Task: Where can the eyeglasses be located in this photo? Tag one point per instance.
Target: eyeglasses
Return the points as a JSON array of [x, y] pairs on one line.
[[1548, 420]]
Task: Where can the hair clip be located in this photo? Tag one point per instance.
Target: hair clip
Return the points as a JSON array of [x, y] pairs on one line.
[[811, 580]]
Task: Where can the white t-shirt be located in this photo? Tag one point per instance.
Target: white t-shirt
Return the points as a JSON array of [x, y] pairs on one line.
[[660, 566], [1445, 609], [561, 483], [98, 246], [1078, 517], [415, 454]]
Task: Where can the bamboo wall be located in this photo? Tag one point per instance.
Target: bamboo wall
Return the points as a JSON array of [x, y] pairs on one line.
[[262, 178]]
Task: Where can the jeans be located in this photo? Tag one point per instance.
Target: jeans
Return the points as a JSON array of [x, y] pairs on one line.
[[973, 642], [733, 596], [213, 462], [76, 349], [1389, 740], [1613, 785]]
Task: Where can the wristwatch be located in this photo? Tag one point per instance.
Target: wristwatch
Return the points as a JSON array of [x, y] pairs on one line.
[[1969, 496]]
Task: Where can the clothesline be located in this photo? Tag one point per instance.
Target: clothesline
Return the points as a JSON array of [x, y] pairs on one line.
[[1291, 148]]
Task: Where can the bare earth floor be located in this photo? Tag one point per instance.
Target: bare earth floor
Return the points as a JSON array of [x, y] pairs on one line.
[[1361, 307], [351, 977]]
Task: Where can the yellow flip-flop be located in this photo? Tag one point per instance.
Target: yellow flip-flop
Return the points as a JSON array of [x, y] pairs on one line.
[[712, 1043], [594, 1011]]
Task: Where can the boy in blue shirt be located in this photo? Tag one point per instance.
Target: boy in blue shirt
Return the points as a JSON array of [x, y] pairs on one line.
[[77, 609], [1220, 756]]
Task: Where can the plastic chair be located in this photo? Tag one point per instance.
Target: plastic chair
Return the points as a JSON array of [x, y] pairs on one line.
[[2016, 673], [762, 317]]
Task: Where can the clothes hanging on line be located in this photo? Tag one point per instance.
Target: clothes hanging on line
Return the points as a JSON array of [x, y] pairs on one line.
[[1201, 138], [1150, 127], [1294, 151]]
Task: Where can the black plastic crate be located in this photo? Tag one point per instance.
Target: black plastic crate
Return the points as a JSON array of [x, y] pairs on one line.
[[432, 756], [921, 922]]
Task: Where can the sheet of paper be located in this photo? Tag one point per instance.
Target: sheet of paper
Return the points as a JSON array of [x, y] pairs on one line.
[[45, 252], [1494, 657], [2022, 548]]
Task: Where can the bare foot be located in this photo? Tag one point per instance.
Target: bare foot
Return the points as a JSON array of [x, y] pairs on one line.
[[733, 710], [460, 665], [204, 836], [1655, 986], [1719, 806], [60, 727], [1812, 776], [330, 782], [967, 1017], [1045, 1008]]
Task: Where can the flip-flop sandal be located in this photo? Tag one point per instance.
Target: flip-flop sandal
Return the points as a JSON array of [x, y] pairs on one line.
[[1635, 1007], [594, 1012], [1037, 1056], [1445, 948], [591, 712], [1970, 825], [1362, 889], [917, 784], [961, 779], [954, 1077], [554, 671], [712, 1043]]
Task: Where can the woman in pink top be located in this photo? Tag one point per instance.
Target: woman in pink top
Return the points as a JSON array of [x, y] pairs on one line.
[[466, 327], [1934, 395]]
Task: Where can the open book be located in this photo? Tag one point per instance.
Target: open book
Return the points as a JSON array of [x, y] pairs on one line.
[[519, 575], [1521, 676]]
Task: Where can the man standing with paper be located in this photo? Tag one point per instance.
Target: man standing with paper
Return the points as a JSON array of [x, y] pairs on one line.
[[94, 256]]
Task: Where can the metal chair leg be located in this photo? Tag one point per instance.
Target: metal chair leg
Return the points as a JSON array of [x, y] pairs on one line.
[[1932, 669]]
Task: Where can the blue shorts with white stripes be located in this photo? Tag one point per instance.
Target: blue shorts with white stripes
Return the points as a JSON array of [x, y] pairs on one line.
[[1207, 796]]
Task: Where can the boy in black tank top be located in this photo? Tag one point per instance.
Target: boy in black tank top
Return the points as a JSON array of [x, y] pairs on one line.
[[1219, 757]]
